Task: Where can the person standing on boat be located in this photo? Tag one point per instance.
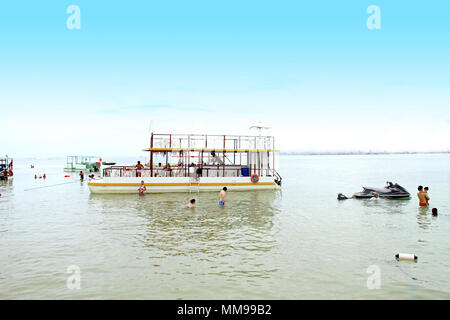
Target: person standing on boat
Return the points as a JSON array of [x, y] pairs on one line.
[[142, 188], [139, 168], [222, 196]]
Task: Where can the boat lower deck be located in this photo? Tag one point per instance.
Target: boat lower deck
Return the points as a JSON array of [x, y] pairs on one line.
[[180, 184]]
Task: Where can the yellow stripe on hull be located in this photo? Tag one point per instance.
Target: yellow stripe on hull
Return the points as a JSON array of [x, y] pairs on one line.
[[108, 184]]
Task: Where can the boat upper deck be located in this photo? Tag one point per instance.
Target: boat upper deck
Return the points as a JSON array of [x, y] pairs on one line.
[[209, 143], [194, 155]]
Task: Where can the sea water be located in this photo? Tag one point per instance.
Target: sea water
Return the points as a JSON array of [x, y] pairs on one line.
[[297, 243]]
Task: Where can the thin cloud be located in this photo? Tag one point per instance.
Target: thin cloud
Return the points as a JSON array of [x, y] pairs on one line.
[[152, 107]]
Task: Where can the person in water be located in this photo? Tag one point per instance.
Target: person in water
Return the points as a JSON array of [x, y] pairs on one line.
[[142, 188], [423, 197], [191, 204], [222, 196], [81, 176], [139, 168], [434, 212], [376, 196], [425, 190]]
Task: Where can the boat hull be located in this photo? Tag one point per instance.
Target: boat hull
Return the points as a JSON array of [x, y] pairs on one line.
[[179, 184]]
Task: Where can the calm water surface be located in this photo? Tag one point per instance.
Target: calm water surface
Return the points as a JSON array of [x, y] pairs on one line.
[[298, 243]]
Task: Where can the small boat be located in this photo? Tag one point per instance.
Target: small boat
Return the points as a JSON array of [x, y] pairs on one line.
[[391, 191], [83, 163], [197, 163], [108, 163], [6, 168]]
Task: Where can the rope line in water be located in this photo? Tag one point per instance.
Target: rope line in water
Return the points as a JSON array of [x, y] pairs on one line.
[[412, 281], [53, 185]]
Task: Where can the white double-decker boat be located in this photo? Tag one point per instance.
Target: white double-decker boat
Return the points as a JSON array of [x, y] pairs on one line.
[[197, 163]]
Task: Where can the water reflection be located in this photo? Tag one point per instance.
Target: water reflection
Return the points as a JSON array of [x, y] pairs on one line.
[[387, 205], [423, 219], [165, 229]]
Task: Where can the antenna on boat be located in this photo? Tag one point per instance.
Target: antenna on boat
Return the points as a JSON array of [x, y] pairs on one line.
[[259, 127], [150, 126]]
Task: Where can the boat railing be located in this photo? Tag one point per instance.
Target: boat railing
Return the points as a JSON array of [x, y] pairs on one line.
[[277, 177], [186, 171]]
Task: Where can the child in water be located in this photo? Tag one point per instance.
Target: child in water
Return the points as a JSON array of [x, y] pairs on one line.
[[191, 204], [222, 196], [142, 188]]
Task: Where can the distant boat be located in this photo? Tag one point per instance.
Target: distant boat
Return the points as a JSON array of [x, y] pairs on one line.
[[108, 163], [6, 168], [82, 163]]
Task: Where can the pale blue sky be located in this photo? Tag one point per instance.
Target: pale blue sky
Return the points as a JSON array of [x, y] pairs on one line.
[[314, 72]]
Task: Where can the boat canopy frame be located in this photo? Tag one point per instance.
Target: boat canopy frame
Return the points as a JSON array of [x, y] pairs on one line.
[[220, 155]]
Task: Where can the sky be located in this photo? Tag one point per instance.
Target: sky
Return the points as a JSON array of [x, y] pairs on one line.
[[311, 70]]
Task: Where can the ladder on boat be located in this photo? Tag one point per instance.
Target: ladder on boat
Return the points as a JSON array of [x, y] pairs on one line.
[[194, 184]]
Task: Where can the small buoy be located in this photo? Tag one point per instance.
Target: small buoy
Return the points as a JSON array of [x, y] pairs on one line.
[[406, 256], [66, 176]]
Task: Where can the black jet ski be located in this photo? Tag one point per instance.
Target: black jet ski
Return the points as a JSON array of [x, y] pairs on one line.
[[391, 191]]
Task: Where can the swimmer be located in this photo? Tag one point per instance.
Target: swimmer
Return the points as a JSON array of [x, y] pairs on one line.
[[35, 176], [423, 197], [222, 196], [44, 176], [191, 204], [376, 196], [434, 212], [142, 188]]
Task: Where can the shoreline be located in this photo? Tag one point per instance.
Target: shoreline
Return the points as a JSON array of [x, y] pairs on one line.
[[285, 153], [349, 153]]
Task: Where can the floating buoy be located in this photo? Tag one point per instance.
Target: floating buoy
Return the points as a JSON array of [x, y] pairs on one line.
[[406, 256], [67, 176]]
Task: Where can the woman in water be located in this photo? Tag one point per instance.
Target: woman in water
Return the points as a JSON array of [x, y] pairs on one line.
[[142, 188]]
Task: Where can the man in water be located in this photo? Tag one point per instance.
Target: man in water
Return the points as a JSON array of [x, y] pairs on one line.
[[191, 204], [139, 168], [434, 212], [423, 197], [81, 176], [222, 196], [142, 188]]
